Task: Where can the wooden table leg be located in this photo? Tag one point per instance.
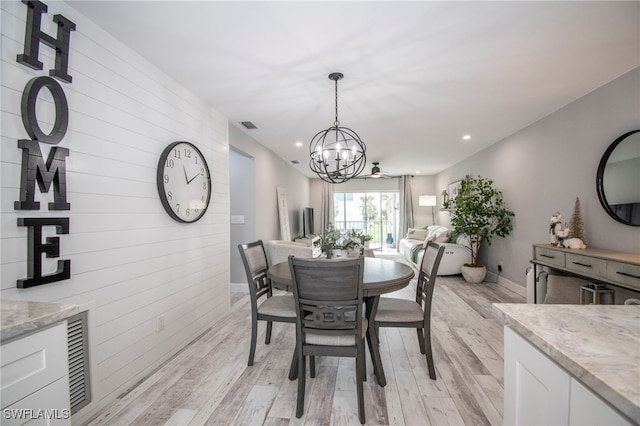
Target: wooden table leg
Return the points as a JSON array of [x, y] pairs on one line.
[[371, 304]]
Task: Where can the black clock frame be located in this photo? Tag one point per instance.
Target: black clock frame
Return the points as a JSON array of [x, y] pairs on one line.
[[160, 181]]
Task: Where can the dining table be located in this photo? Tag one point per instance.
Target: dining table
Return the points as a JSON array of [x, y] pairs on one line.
[[380, 276]]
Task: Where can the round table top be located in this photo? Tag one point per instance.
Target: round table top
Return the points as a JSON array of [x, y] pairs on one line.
[[380, 276]]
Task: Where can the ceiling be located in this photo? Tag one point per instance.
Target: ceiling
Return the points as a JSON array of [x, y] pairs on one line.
[[418, 75]]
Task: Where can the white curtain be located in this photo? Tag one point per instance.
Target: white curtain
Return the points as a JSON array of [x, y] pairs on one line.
[[406, 206], [326, 207]]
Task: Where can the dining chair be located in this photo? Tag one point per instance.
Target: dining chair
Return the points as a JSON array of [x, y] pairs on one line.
[[264, 305], [393, 312], [329, 320]]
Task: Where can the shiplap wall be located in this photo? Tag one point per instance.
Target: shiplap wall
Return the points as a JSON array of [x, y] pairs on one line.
[[130, 262]]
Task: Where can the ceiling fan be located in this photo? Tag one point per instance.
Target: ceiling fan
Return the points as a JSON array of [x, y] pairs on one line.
[[377, 173]]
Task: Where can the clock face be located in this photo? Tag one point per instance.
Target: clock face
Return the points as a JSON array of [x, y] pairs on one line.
[[184, 183]]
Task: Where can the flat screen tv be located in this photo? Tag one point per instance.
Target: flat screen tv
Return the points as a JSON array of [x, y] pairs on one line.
[[307, 221]]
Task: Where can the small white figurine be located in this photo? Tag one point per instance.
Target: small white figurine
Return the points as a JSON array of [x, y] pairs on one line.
[[562, 234], [554, 227], [574, 243]]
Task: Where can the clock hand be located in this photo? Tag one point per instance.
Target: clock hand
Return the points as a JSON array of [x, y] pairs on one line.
[[185, 175], [191, 180]]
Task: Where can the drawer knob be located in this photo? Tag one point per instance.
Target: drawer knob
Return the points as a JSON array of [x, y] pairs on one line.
[[581, 264], [547, 256]]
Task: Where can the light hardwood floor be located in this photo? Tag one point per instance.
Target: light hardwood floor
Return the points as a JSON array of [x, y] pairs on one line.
[[209, 381]]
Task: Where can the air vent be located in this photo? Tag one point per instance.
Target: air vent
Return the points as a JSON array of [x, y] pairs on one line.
[[79, 383], [249, 125], [295, 162]]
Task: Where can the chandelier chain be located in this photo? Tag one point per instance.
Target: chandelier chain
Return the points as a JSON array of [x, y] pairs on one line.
[[336, 123]]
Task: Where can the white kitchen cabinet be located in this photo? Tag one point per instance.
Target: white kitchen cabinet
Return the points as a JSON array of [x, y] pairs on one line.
[[586, 409], [34, 380], [537, 391]]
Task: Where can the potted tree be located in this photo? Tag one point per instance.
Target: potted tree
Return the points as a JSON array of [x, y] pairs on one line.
[[480, 214]]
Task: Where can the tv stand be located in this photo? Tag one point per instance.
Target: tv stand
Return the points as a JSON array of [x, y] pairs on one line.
[[311, 241]]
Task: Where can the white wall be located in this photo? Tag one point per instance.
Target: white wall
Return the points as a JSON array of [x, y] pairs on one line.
[[271, 172], [130, 262], [545, 166]]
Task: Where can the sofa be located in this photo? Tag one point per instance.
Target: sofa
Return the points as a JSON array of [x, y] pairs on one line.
[[456, 253], [279, 250]]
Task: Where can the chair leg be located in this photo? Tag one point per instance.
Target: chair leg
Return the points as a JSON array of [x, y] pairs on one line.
[[427, 338], [312, 366], [267, 337], [360, 368], [293, 369], [254, 337], [421, 339], [302, 372]]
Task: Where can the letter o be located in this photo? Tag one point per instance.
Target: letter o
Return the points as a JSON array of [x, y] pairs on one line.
[[28, 110]]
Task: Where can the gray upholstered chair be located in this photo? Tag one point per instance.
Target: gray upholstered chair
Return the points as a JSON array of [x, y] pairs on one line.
[[416, 314], [328, 296], [264, 305]]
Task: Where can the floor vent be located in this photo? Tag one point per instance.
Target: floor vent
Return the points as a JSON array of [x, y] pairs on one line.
[[79, 383]]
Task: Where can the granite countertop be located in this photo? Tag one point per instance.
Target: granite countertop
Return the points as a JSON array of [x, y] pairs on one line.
[[598, 344], [19, 317]]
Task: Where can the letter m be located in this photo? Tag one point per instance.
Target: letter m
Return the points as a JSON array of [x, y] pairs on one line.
[[35, 170]]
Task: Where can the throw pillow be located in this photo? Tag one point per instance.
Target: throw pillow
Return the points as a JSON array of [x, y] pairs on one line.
[[437, 234], [416, 234], [442, 237]]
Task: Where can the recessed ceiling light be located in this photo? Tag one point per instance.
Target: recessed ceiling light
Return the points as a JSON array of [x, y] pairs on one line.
[[417, 172], [466, 137], [298, 143]]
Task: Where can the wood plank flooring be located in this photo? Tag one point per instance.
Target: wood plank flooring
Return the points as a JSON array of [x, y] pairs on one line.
[[209, 381]]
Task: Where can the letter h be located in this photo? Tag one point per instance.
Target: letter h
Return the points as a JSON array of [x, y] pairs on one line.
[[34, 35]]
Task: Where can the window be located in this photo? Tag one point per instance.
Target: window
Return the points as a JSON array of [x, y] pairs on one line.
[[374, 213]]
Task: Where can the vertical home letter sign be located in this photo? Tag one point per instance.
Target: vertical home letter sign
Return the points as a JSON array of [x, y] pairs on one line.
[[52, 173]]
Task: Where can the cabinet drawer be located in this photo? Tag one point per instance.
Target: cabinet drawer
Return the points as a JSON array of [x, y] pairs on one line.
[[624, 273], [48, 406], [32, 362], [553, 257], [586, 265]]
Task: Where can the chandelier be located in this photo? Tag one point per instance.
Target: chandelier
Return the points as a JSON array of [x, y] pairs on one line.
[[337, 153]]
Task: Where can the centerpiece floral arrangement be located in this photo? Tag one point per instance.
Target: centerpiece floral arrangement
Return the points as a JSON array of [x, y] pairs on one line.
[[333, 240]]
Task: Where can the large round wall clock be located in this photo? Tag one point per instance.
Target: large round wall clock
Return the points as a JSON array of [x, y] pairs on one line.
[[184, 182]]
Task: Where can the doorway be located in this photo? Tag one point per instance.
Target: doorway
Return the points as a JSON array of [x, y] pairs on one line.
[[242, 210]]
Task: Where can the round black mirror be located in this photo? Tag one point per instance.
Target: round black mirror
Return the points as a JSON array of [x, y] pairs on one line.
[[618, 179]]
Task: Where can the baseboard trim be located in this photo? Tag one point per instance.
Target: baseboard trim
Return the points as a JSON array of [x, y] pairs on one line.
[[508, 284]]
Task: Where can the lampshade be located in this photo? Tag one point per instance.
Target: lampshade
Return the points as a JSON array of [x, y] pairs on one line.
[[427, 200]]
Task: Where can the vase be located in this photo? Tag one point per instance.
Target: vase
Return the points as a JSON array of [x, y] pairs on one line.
[[338, 254], [473, 274]]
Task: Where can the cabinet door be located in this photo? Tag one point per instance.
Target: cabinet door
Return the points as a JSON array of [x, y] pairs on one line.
[[588, 409], [536, 390], [32, 362]]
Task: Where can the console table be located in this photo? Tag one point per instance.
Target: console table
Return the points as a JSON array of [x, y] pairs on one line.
[[615, 268]]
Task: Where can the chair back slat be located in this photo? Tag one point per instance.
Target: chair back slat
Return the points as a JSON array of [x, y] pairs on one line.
[[254, 259], [428, 273], [328, 294]]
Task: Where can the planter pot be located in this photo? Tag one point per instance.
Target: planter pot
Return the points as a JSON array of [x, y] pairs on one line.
[[474, 274], [338, 254]]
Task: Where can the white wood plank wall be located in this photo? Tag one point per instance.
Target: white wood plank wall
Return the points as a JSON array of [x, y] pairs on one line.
[[130, 262]]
